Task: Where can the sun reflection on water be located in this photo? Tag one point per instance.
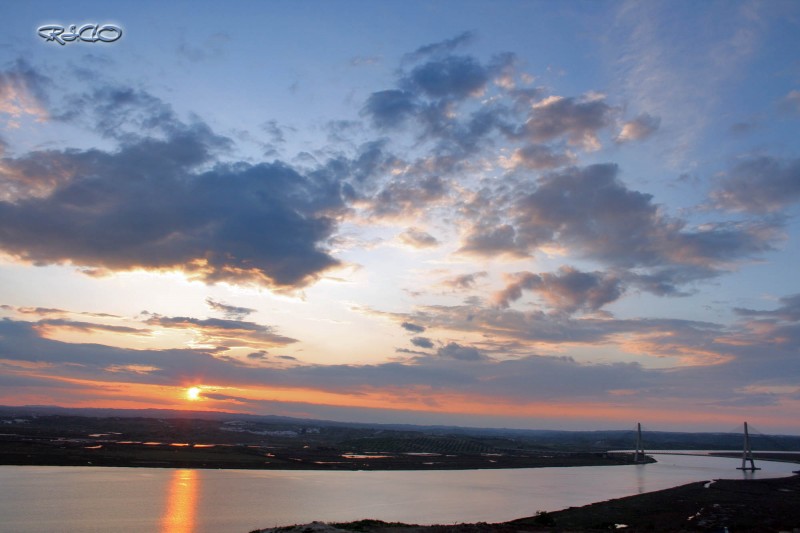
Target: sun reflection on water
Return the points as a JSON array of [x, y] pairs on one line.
[[179, 516]]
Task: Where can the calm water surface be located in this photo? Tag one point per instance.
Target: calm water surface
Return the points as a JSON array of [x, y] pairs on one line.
[[89, 499]]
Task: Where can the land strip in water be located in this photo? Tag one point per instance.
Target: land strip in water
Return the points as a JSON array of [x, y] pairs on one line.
[[192, 443]]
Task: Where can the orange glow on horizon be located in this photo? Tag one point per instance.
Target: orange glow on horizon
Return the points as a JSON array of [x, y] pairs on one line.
[[253, 399]]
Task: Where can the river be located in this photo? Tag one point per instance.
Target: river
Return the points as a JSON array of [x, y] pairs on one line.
[[37, 499]]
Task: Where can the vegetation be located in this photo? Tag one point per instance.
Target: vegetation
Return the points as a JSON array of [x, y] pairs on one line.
[[220, 440]]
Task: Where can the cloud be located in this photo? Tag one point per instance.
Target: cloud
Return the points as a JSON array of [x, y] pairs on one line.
[[50, 324], [538, 157], [229, 311], [754, 350], [668, 280], [577, 120], [20, 341], [23, 92], [456, 77], [372, 161], [36, 173], [513, 291], [589, 212], [275, 132], [442, 47], [132, 369], [360, 61], [223, 332], [765, 346], [270, 361], [120, 112], [566, 291], [460, 137], [168, 194], [390, 108], [679, 67], [361, 175], [43, 311], [759, 185], [404, 197], [789, 310], [462, 353], [459, 118], [18, 335], [417, 238], [212, 47], [422, 342], [792, 101], [488, 240], [639, 128], [413, 328], [743, 128], [518, 332], [464, 281], [458, 378], [523, 99], [430, 97], [150, 205], [50, 311]]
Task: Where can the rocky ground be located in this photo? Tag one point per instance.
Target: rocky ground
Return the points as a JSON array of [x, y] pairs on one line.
[[724, 505]]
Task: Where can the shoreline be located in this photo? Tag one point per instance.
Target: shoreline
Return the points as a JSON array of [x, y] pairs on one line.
[[103, 453], [178, 465]]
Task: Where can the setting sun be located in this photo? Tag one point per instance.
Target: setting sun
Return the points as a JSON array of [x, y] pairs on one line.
[[193, 393]]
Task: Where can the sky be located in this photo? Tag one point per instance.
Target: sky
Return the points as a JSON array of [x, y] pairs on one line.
[[553, 215]]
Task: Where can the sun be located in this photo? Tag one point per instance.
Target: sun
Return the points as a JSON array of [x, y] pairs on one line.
[[193, 393]]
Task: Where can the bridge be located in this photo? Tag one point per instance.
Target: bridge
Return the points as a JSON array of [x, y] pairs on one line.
[[747, 451]]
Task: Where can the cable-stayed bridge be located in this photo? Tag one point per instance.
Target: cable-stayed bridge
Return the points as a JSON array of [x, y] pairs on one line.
[[771, 447]]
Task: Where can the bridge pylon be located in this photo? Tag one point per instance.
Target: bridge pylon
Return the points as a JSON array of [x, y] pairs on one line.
[[638, 456], [747, 453]]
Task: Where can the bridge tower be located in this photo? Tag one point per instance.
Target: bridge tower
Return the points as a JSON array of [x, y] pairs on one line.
[[638, 457], [747, 453]]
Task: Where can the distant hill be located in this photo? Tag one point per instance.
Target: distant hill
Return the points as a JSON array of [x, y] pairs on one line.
[[525, 438]]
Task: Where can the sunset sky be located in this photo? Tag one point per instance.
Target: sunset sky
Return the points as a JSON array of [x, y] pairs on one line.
[[556, 215]]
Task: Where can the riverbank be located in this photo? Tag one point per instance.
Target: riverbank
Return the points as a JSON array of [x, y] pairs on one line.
[[738, 505], [256, 444], [87, 452]]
